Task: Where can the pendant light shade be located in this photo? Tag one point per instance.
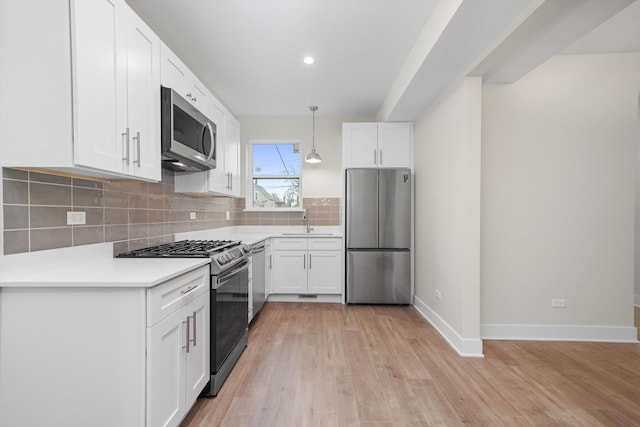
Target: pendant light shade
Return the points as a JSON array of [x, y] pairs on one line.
[[313, 157]]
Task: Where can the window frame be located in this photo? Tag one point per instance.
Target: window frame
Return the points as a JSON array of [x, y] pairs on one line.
[[248, 201]]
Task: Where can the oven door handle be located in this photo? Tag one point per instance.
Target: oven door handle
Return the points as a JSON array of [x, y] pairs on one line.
[[244, 266]]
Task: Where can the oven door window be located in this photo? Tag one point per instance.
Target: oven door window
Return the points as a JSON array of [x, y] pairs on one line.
[[231, 302]]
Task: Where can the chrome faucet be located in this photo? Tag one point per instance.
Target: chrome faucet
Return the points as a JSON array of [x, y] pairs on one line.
[[305, 219]]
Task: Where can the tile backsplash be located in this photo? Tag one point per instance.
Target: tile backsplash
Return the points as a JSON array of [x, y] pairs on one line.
[[131, 214]]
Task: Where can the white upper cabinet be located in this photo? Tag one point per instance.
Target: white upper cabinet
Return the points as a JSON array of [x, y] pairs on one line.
[[143, 98], [173, 73], [93, 72], [376, 145], [359, 144], [99, 87], [225, 179], [217, 178], [117, 93], [176, 75], [232, 155]]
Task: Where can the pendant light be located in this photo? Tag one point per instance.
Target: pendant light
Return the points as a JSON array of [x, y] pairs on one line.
[[313, 157]]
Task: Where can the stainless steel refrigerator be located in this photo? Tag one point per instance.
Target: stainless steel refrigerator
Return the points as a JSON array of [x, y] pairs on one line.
[[378, 236]]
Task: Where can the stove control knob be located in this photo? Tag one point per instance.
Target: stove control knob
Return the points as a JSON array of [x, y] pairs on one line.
[[221, 260]]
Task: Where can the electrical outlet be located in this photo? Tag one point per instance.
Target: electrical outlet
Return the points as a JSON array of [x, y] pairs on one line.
[[192, 215], [76, 218], [558, 303], [227, 215], [438, 294]]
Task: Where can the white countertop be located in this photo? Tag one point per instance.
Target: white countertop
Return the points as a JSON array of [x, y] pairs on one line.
[[90, 266], [250, 234], [94, 265]]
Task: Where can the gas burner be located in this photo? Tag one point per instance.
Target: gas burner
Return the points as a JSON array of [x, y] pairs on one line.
[[182, 249]]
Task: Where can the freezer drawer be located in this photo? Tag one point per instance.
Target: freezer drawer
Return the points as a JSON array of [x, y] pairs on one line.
[[378, 277]]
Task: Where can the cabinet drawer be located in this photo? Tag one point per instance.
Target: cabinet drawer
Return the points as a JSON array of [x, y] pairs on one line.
[[166, 298], [325, 244], [288, 244]]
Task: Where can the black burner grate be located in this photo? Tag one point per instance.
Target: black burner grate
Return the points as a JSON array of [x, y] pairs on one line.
[[182, 249]]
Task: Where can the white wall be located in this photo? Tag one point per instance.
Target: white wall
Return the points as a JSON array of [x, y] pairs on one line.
[[447, 209], [1, 213], [637, 262], [322, 180], [558, 190]]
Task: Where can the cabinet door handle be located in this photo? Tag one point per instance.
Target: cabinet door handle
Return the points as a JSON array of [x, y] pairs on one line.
[[375, 156], [304, 263], [270, 262], [137, 139], [187, 322], [231, 181], [125, 143], [381, 156], [309, 261], [195, 331]]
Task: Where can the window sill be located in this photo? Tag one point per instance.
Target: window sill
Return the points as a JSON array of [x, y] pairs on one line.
[[274, 210]]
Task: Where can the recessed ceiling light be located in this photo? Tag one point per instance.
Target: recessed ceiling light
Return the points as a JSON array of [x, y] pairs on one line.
[[308, 60]]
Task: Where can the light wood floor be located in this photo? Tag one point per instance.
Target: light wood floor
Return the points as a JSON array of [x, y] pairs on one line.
[[337, 365]]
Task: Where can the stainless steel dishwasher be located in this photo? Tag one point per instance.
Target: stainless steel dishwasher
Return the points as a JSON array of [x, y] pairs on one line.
[[258, 272]]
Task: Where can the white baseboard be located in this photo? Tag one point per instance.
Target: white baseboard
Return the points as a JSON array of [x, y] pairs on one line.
[[622, 334], [464, 347], [298, 298], [636, 300]]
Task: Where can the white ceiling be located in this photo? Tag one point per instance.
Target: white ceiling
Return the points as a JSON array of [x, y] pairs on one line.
[[620, 34], [384, 59], [249, 52]]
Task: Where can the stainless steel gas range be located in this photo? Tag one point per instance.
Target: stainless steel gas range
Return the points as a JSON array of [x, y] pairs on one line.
[[229, 297]]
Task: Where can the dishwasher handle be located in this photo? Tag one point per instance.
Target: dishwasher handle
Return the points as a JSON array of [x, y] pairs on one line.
[[258, 247]]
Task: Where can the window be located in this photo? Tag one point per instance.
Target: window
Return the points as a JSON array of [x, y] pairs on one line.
[[275, 175]]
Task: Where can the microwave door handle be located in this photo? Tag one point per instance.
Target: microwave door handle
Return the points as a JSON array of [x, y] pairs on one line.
[[213, 142]]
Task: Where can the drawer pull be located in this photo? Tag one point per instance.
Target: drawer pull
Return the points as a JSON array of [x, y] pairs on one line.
[[189, 289]]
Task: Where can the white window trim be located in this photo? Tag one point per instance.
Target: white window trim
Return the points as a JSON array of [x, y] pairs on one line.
[[248, 199]]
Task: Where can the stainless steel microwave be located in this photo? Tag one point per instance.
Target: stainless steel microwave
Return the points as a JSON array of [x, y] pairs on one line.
[[188, 137]]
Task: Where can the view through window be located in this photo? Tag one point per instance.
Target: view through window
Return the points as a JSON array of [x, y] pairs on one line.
[[275, 167]]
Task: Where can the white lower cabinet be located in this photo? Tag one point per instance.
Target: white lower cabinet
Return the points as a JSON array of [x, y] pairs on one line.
[[103, 357], [290, 272], [268, 268], [177, 351], [307, 266], [324, 273], [177, 368]]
